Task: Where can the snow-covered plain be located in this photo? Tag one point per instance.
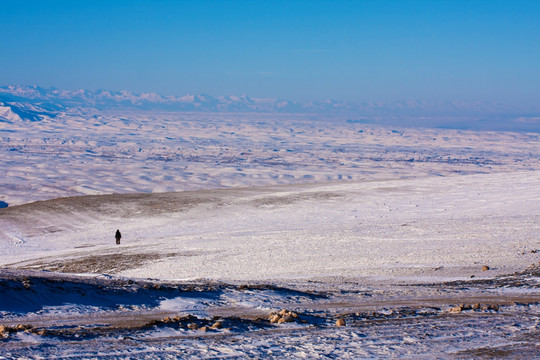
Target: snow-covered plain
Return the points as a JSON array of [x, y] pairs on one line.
[[91, 152], [387, 228]]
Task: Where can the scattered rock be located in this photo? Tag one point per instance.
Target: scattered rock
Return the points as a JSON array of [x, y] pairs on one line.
[[217, 325], [485, 268], [340, 322], [282, 316], [26, 283], [204, 328], [488, 307], [193, 326], [4, 331], [153, 323], [167, 320], [475, 306], [285, 319]]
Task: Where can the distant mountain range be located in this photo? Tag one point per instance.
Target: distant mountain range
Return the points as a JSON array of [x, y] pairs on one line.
[[105, 99], [32, 103]]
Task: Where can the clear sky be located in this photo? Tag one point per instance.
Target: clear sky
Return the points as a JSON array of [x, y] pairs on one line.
[[300, 50]]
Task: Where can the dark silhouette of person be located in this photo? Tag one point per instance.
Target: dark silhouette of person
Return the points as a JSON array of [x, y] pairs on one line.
[[118, 236]]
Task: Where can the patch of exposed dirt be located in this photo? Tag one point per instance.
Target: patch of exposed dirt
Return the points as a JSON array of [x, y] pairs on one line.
[[527, 278], [110, 263], [528, 349], [288, 200], [119, 205]]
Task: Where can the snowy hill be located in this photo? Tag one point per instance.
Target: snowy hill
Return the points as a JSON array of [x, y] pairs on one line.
[[10, 112]]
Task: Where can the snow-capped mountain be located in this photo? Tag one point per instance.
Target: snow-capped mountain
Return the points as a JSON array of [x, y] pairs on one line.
[[32, 103], [105, 99], [25, 111]]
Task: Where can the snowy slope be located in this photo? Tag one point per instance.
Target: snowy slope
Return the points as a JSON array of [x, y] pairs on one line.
[[7, 113], [407, 229]]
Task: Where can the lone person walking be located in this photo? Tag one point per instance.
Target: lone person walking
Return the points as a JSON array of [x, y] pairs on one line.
[[118, 236]]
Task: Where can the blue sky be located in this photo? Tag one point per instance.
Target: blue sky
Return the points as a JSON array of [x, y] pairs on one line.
[[299, 50]]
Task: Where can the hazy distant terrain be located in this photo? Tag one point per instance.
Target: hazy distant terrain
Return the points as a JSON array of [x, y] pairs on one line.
[[34, 103], [50, 151]]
